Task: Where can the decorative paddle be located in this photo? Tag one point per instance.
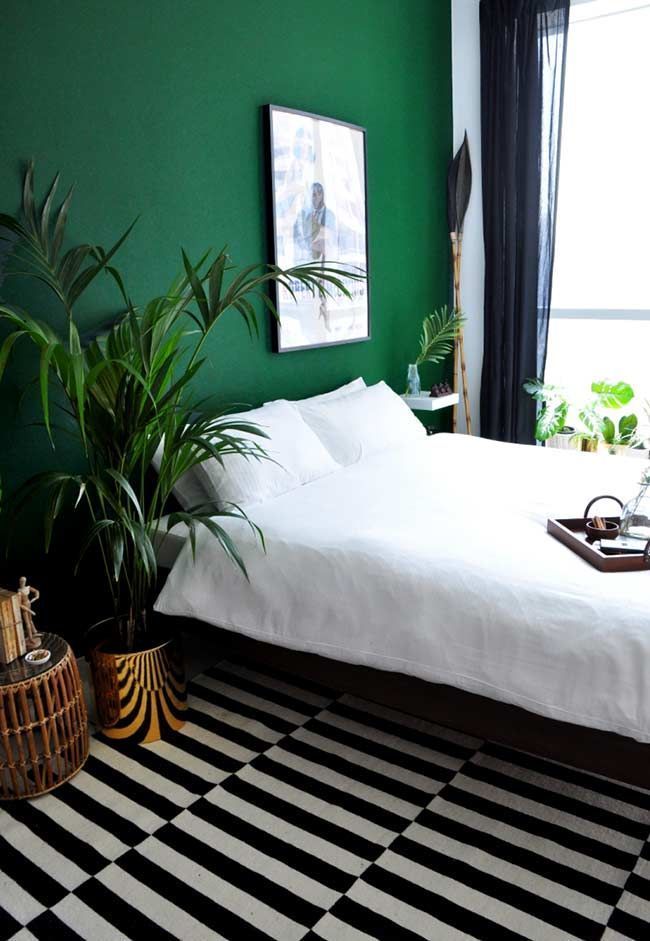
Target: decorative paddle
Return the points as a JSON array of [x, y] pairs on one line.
[[459, 188]]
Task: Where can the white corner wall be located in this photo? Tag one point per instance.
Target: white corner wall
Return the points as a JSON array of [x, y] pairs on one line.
[[466, 82]]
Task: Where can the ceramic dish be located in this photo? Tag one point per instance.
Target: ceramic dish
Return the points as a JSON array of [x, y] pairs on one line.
[[38, 657]]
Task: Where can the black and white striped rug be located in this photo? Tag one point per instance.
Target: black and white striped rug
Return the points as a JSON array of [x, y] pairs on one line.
[[284, 811]]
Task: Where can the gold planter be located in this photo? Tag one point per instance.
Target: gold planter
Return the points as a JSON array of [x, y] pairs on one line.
[[140, 696], [589, 444]]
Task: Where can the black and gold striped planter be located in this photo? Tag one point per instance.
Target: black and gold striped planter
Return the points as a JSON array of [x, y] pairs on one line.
[[140, 696]]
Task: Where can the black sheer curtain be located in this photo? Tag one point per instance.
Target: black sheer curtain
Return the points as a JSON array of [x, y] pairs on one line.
[[523, 55]]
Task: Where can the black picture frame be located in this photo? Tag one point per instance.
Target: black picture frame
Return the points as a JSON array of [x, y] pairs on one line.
[[310, 157]]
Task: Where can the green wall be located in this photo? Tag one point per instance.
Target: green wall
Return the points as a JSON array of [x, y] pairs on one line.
[[152, 107]]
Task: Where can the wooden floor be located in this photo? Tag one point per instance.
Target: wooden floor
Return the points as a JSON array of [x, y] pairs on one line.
[[605, 753]]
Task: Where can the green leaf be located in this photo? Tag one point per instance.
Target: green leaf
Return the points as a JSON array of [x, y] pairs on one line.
[[13, 226], [54, 509], [126, 487], [439, 331], [197, 290], [627, 428], [608, 430], [613, 394], [71, 263], [86, 277], [215, 282], [551, 420], [117, 551], [77, 392], [94, 533], [44, 380], [59, 226], [45, 217], [542, 391], [29, 208], [43, 482], [592, 420], [7, 346]]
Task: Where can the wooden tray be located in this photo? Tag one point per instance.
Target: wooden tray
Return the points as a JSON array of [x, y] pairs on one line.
[[572, 533]]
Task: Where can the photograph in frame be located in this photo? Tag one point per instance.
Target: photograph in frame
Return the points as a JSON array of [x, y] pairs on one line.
[[317, 180]]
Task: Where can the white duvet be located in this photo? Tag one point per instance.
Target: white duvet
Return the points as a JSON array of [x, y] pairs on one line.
[[436, 562]]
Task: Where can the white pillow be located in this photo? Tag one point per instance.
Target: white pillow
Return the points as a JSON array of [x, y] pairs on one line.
[[365, 422], [355, 386], [296, 452]]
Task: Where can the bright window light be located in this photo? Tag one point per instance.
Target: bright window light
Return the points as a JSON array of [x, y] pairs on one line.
[[600, 318]]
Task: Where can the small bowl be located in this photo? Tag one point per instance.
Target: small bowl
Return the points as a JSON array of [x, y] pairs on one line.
[[611, 530], [38, 657]]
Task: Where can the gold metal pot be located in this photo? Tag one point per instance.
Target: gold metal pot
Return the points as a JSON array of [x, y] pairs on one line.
[[140, 696]]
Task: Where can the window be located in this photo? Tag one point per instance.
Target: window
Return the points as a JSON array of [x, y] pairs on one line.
[[600, 316]]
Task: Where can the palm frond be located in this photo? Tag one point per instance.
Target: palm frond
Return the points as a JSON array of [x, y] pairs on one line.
[[37, 242], [439, 331]]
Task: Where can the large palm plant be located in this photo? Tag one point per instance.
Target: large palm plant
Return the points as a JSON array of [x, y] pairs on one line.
[[126, 393]]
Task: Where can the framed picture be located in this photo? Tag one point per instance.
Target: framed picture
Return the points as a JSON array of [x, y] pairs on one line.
[[317, 182]]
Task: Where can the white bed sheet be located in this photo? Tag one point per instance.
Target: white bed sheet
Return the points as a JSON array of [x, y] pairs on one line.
[[436, 562]]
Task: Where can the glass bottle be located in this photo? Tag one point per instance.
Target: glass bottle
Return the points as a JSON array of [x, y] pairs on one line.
[[413, 386], [635, 515]]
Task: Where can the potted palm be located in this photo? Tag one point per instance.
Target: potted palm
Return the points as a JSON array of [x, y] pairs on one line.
[[126, 393]]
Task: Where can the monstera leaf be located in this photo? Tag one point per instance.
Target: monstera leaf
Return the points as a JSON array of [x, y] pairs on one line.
[[551, 419], [613, 394], [542, 391], [592, 419]]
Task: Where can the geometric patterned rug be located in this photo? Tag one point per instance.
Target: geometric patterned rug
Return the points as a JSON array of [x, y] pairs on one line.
[[286, 811]]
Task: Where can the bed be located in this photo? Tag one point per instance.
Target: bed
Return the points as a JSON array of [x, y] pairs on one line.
[[431, 559]]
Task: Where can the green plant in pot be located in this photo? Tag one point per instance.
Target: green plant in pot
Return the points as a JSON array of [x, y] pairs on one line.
[[598, 429], [125, 393], [601, 431], [553, 409], [440, 330]]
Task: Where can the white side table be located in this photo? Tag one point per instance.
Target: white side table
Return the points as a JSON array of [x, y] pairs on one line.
[[425, 403]]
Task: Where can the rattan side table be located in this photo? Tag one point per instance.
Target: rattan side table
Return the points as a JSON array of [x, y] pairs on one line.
[[43, 722]]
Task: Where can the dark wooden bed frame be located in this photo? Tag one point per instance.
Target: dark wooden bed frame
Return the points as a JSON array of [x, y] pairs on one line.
[[606, 753]]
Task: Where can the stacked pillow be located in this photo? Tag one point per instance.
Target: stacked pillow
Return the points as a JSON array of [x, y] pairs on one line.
[[294, 456], [361, 423], [306, 439]]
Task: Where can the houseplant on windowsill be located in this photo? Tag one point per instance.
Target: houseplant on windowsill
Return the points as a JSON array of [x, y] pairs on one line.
[[552, 412], [124, 392], [599, 432]]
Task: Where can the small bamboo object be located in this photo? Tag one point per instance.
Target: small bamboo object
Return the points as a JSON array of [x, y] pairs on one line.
[[459, 347]]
